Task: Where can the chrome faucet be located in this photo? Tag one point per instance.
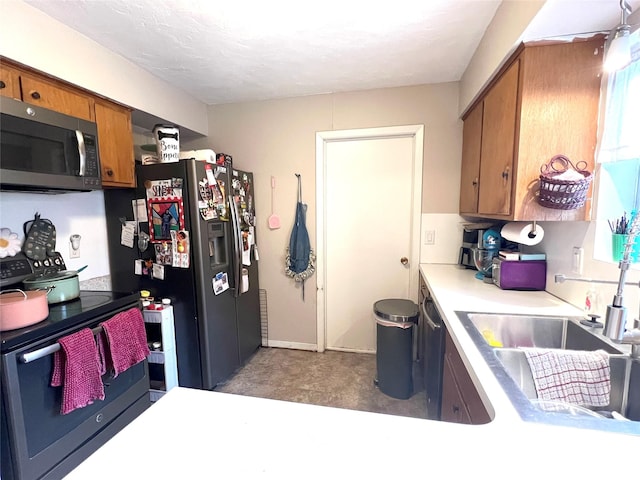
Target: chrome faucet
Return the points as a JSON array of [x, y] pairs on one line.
[[616, 317]]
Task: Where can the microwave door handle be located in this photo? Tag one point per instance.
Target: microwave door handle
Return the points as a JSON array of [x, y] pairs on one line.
[[82, 151]]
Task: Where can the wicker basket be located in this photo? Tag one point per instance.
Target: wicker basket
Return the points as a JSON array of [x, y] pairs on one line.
[[563, 194]]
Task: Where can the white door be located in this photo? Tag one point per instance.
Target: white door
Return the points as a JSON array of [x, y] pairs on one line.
[[371, 199]]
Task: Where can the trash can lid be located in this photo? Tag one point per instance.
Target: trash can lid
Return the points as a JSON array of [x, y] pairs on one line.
[[396, 310]]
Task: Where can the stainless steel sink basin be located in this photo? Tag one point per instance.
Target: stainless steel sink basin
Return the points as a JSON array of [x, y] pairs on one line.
[[499, 337], [625, 381], [512, 331]]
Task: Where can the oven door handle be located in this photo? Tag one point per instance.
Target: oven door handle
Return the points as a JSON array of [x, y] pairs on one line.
[[48, 350]]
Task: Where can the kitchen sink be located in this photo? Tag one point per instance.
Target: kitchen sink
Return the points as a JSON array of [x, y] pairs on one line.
[[512, 331], [499, 339]]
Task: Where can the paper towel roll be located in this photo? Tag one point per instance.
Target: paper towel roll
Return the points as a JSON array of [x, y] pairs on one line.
[[522, 232], [206, 155]]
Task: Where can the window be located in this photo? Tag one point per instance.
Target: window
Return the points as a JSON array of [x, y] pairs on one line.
[[618, 153]]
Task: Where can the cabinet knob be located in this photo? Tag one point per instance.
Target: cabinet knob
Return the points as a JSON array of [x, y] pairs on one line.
[[109, 172], [455, 408], [505, 173], [2, 84], [35, 95], [475, 182], [404, 260]]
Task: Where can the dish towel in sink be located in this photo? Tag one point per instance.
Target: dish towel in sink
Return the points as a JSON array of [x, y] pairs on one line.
[[577, 377], [124, 341], [76, 366]]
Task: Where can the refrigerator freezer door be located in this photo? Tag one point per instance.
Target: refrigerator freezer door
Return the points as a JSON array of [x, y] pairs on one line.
[[248, 303]]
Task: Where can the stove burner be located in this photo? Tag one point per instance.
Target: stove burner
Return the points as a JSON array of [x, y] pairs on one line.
[[88, 300]]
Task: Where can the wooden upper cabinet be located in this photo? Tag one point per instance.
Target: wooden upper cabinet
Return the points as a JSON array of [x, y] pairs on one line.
[[498, 137], [56, 96], [115, 143], [471, 144], [9, 82], [113, 121], [542, 103]]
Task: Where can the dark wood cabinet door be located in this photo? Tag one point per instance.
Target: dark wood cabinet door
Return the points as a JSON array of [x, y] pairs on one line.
[[461, 401]]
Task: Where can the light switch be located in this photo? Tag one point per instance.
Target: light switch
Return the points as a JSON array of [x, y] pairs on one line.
[[429, 237]]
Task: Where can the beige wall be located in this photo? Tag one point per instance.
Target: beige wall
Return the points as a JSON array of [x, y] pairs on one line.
[[33, 38], [277, 138], [500, 39]]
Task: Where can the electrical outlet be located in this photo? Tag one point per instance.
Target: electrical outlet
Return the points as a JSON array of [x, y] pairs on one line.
[[577, 260], [430, 237]]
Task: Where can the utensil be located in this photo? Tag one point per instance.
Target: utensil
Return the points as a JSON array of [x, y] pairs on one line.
[[19, 309], [273, 220]]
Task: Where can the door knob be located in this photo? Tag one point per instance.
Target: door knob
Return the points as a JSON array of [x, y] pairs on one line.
[[404, 260]]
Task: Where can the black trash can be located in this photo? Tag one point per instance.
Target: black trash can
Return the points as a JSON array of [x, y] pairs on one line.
[[395, 319]]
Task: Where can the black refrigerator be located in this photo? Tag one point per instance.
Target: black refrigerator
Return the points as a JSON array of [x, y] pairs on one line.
[[201, 253]]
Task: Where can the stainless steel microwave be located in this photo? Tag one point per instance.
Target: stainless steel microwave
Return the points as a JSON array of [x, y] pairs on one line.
[[46, 151]]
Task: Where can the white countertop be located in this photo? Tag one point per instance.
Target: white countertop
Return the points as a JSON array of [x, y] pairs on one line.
[[201, 434]]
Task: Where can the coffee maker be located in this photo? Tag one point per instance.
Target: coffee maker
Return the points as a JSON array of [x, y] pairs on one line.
[[469, 239], [471, 233]]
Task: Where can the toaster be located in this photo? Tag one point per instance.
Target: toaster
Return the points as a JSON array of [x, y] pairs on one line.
[[520, 274]]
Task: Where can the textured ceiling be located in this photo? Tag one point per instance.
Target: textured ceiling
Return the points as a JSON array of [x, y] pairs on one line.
[[224, 51]]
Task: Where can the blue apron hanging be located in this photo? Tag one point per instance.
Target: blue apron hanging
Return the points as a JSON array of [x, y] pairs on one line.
[[300, 260]]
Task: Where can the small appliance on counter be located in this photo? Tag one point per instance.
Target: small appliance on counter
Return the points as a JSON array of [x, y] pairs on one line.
[[519, 274], [483, 255], [471, 232]]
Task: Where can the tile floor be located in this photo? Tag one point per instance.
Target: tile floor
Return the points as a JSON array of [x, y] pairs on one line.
[[336, 379]]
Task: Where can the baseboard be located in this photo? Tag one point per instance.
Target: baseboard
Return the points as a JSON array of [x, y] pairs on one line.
[[351, 350], [293, 345]]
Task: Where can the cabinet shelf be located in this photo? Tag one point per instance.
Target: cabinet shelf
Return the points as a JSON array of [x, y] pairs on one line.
[[165, 375], [156, 357]]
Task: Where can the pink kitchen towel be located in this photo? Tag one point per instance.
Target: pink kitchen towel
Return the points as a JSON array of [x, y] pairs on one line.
[[76, 367], [577, 377], [126, 341]]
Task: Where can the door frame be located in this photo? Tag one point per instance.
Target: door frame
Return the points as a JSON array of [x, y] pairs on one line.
[[416, 132]]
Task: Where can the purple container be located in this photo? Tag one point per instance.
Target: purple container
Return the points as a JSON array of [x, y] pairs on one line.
[[520, 274]]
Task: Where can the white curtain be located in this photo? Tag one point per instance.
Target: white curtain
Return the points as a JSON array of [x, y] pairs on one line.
[[621, 129], [618, 152]]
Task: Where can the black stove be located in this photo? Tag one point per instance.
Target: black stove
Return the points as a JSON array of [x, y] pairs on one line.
[[67, 315], [62, 316]]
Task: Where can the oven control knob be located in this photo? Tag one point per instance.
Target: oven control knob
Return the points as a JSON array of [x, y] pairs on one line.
[[36, 264], [47, 263], [99, 418], [56, 261]]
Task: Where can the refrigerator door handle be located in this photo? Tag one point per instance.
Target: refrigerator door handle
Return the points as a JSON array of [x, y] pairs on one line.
[[237, 246]]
